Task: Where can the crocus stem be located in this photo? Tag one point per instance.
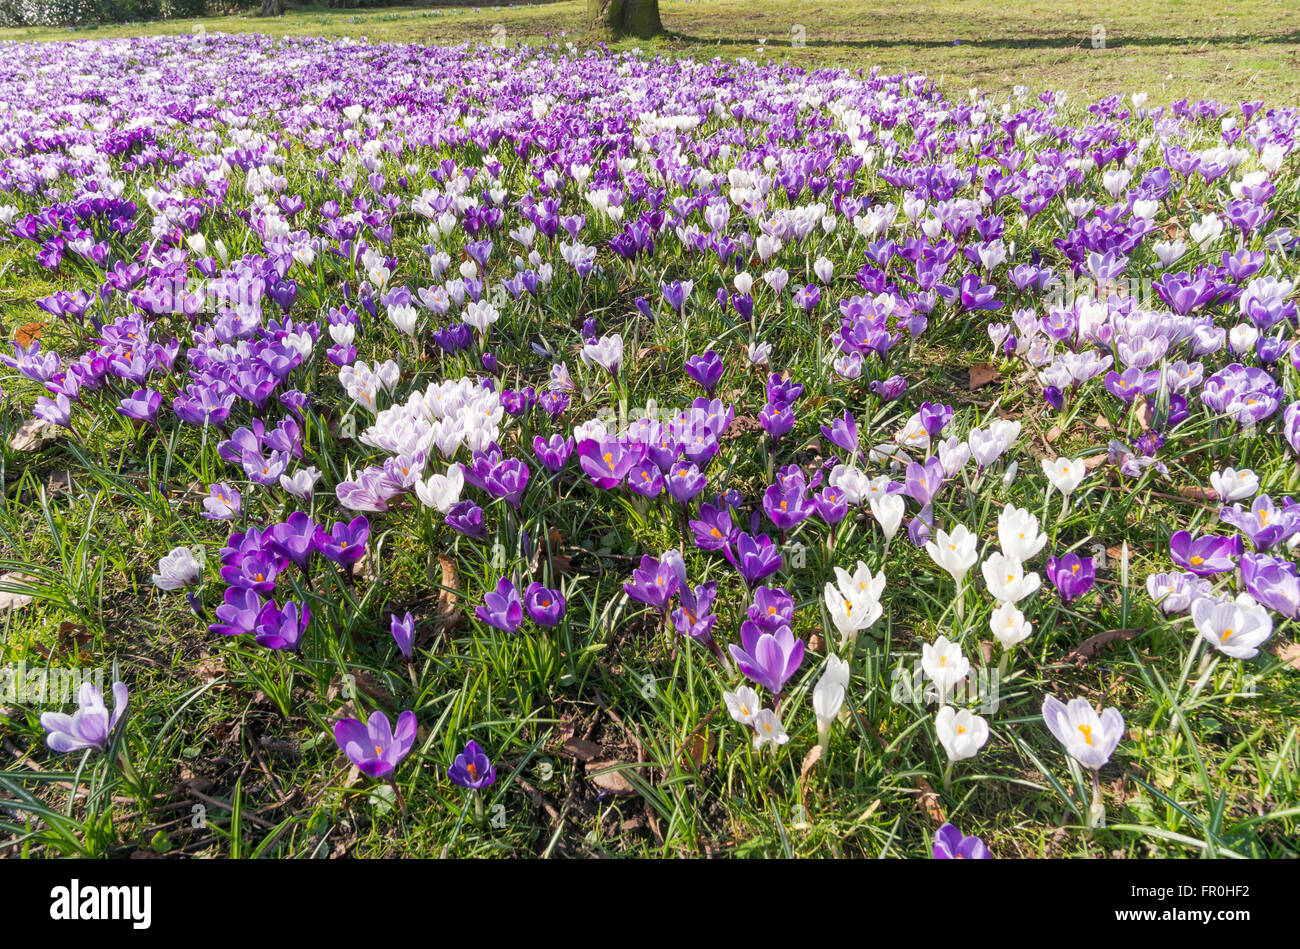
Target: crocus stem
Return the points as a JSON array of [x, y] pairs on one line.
[[1097, 812], [478, 810], [397, 792], [1003, 663], [947, 777]]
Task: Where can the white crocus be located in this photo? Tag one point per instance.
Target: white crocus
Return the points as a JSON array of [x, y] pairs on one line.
[[944, 664], [828, 695], [180, 568], [1236, 628], [853, 601], [1007, 580], [1018, 533], [1064, 473], [441, 491], [768, 730], [962, 734], [1009, 626], [888, 511], [1233, 485], [743, 704], [953, 552]]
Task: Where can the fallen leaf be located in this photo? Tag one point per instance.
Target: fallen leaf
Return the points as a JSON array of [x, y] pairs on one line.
[[32, 434], [741, 425], [28, 333], [11, 585], [1101, 423], [1142, 412], [582, 750], [1094, 462], [612, 782], [810, 761], [986, 650], [1053, 434], [929, 802], [1091, 647], [699, 748], [982, 374], [1195, 493], [449, 615], [1288, 653]]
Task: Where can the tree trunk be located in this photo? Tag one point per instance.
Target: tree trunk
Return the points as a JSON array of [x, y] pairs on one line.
[[272, 8], [613, 19]]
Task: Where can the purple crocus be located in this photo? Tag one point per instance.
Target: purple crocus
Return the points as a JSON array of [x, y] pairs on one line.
[[843, 433], [1072, 575], [706, 370], [141, 405], [755, 557], [768, 659], [1205, 555], [282, 628], [472, 769], [1273, 582], [403, 630], [91, 725], [544, 605], [466, 517], [344, 544], [502, 609], [295, 539], [375, 747], [949, 844], [653, 583]]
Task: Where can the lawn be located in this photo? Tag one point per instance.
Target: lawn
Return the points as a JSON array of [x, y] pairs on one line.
[[1194, 48], [712, 443]]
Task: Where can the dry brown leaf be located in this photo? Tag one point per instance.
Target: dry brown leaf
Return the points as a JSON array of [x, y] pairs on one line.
[[28, 333], [612, 782], [1101, 423], [449, 615], [929, 802], [582, 750], [810, 761], [1142, 412], [1094, 462], [1288, 653], [982, 374], [1091, 647], [11, 598], [1053, 434], [32, 434], [1195, 493], [698, 749]]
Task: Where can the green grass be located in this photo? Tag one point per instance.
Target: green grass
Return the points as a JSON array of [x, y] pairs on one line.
[[1211, 763], [1197, 48]]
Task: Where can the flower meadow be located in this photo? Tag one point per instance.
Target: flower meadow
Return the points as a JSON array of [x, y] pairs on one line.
[[481, 451]]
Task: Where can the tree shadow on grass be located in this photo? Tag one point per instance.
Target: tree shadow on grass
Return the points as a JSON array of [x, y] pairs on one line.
[[1114, 40]]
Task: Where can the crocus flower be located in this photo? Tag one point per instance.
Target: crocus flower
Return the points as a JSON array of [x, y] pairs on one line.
[[1072, 575], [1236, 628], [344, 544], [1233, 485], [1009, 626], [1089, 737], [949, 844], [706, 370], [754, 557], [944, 664], [888, 510], [403, 630], [91, 725], [768, 730], [768, 659], [502, 609], [1007, 580], [222, 503], [1206, 555], [962, 733], [828, 695], [375, 747], [1175, 592], [1272, 581], [141, 405], [472, 768], [1018, 533], [653, 583], [954, 552], [853, 601], [544, 606], [180, 568], [282, 628], [1065, 474], [742, 705]]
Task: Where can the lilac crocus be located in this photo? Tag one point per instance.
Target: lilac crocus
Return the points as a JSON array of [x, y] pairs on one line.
[[754, 557], [1072, 575], [706, 369], [141, 405], [472, 769], [653, 583], [91, 725], [222, 503], [843, 433], [1273, 582], [403, 630], [949, 844], [375, 747], [295, 539], [768, 659], [282, 628], [502, 608], [545, 606], [1205, 555], [344, 544]]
